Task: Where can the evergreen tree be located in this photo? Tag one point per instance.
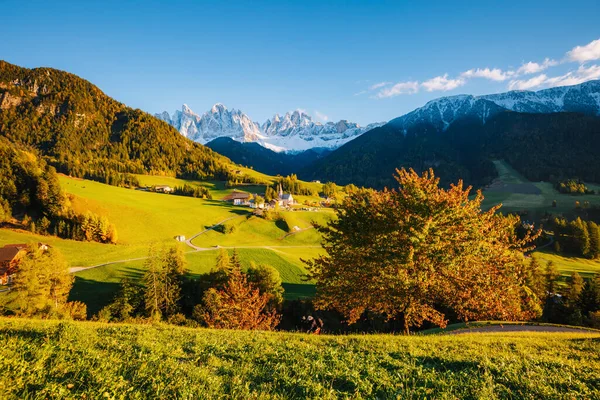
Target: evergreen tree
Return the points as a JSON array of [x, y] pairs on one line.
[[575, 289], [235, 262], [223, 261], [268, 281], [551, 277], [536, 280], [173, 264], [589, 299], [594, 233], [154, 284]]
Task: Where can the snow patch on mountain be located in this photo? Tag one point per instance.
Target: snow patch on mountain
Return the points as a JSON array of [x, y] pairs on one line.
[[442, 112]]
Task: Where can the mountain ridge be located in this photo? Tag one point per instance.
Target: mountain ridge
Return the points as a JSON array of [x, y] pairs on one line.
[[424, 138], [295, 131]]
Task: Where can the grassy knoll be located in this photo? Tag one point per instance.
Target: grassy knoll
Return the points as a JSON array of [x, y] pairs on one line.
[[51, 359], [584, 266], [256, 231]]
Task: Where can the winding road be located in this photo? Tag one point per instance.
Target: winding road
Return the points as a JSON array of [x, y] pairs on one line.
[[195, 248]]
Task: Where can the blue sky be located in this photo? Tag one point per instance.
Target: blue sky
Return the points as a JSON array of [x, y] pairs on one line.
[[364, 61]]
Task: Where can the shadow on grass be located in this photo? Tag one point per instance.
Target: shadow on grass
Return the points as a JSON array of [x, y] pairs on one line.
[[294, 291], [95, 294]]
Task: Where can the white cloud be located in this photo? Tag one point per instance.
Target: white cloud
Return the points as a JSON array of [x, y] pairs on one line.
[[442, 83], [589, 52], [321, 116], [495, 74], [379, 85], [534, 68], [536, 81], [399, 88], [580, 75], [581, 54]]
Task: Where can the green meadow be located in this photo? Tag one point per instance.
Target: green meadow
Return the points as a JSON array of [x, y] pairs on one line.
[[517, 194], [64, 360], [145, 218]]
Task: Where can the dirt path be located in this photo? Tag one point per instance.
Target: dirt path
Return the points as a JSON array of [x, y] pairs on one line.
[[210, 228], [521, 328]]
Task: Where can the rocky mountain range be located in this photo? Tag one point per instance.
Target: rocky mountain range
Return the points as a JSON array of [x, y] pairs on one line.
[[293, 132], [442, 112]]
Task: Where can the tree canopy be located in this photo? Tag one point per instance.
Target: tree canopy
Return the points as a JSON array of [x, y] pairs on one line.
[[415, 252]]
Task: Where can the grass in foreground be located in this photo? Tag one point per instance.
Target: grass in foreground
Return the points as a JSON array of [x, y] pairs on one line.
[[50, 359]]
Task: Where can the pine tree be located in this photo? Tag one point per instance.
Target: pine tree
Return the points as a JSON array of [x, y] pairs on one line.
[[154, 282], [173, 264], [594, 233], [575, 288], [551, 277], [536, 280], [223, 261], [235, 263]]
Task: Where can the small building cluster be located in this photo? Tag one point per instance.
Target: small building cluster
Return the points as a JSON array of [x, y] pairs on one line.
[[246, 199]]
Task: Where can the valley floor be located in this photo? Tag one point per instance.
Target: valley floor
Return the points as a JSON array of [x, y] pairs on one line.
[[53, 359]]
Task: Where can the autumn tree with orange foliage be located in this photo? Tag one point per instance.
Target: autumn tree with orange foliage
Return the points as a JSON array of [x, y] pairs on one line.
[[239, 305], [411, 252]]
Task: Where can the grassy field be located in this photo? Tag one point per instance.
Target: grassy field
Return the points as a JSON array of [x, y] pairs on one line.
[[218, 189], [585, 267], [145, 218], [517, 194], [51, 359]]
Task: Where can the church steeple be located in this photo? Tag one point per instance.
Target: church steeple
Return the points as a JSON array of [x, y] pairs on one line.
[[280, 191]]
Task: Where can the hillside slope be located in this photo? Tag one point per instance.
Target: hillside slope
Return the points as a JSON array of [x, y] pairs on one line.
[[459, 135], [539, 146], [83, 132], [51, 359]]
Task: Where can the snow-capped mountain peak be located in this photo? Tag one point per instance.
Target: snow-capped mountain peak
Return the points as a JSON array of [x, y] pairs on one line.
[[295, 131], [584, 98]]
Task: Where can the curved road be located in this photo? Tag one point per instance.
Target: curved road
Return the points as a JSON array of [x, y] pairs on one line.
[[195, 248]]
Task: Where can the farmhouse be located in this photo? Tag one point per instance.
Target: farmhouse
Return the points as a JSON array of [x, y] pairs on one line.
[[238, 198], [163, 189], [9, 259]]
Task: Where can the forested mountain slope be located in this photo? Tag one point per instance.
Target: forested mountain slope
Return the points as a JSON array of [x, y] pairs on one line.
[[540, 146], [83, 132]]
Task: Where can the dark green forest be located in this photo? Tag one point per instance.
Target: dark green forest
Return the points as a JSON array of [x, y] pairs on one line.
[[548, 147]]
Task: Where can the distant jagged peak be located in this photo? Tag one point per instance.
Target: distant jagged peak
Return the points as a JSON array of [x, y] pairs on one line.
[[218, 108], [185, 109]]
